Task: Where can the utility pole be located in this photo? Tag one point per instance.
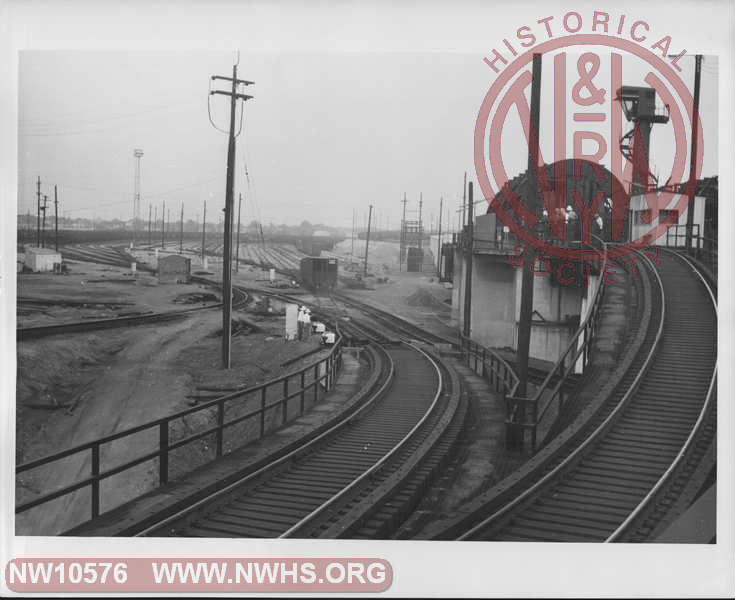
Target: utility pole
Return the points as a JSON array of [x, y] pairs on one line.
[[352, 245], [229, 199], [204, 229], [155, 217], [163, 225], [464, 196], [237, 243], [43, 222], [367, 240], [181, 230], [149, 223], [56, 220], [38, 212], [403, 234], [526, 308], [439, 243], [467, 329], [137, 153], [693, 164]]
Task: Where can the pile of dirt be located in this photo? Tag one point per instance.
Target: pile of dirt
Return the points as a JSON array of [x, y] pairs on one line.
[[423, 297]]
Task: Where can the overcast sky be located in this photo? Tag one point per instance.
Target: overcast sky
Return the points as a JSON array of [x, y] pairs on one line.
[[326, 134]]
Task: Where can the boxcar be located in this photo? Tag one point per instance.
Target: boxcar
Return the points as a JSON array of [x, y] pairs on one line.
[[319, 274]]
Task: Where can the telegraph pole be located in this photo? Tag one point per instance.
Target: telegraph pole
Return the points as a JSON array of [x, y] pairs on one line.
[[204, 229], [467, 330], [352, 238], [439, 243], [181, 230], [163, 225], [526, 308], [229, 200], [367, 240], [43, 222], [464, 196], [693, 163], [237, 243], [403, 234], [137, 153], [155, 217], [38, 212], [149, 223], [56, 220]]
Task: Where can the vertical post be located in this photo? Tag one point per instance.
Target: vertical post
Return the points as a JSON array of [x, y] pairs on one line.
[[163, 225], [150, 208], [237, 243], [220, 426], [693, 163], [204, 229], [464, 197], [262, 410], [56, 220], [181, 230], [43, 221], [403, 235], [439, 243], [163, 453], [95, 481], [421, 229], [467, 330], [303, 391], [367, 241], [352, 239], [38, 212], [526, 308], [155, 217], [227, 250]]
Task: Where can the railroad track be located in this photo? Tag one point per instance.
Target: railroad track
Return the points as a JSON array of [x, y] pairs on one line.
[[303, 493], [618, 484], [240, 298]]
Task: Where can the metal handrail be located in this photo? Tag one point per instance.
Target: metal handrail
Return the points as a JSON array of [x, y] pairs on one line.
[[562, 369], [330, 363], [498, 366], [592, 437]]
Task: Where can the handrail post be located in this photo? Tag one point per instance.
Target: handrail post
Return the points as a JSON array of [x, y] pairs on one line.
[[262, 409], [303, 390], [95, 480], [163, 452], [316, 383], [220, 426], [285, 399]]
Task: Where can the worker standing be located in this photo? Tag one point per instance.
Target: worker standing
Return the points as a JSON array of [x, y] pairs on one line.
[[300, 322], [307, 323]]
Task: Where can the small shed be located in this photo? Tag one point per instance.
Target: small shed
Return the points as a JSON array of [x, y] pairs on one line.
[[174, 269], [42, 259]]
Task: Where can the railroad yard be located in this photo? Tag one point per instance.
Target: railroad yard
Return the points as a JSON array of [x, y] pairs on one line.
[[104, 386], [236, 366]]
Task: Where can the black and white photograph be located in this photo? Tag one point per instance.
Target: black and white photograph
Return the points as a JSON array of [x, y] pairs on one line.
[[292, 285]]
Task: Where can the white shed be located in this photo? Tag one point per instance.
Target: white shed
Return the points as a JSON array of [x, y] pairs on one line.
[[42, 259]]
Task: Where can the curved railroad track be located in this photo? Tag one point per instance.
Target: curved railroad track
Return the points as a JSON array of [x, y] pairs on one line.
[[613, 486], [299, 494]]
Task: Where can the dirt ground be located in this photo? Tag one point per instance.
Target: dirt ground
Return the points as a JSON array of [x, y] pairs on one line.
[[80, 387]]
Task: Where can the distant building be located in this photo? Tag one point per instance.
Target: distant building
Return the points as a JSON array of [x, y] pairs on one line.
[[174, 269], [42, 259]]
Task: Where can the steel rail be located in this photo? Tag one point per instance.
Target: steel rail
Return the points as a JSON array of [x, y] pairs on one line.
[[378, 465], [549, 476], [615, 535], [270, 466]]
